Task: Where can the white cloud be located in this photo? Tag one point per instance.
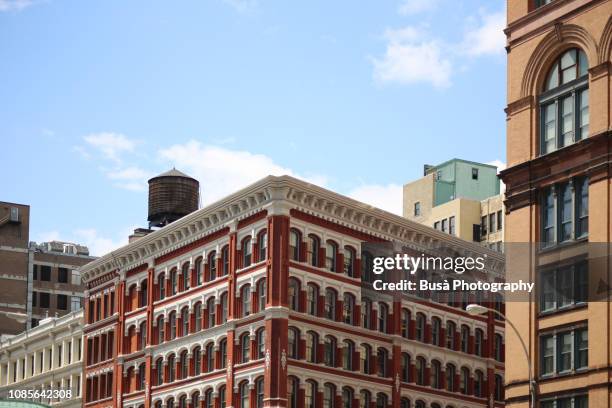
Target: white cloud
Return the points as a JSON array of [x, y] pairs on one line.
[[99, 245], [241, 6], [111, 145], [82, 152], [410, 7], [411, 58], [488, 37], [14, 5], [501, 165], [386, 197], [223, 171], [130, 178]]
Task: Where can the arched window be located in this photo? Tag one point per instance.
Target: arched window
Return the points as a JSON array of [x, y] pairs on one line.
[[212, 266], [498, 345], [294, 291], [330, 304], [310, 395], [223, 353], [419, 404], [564, 103], [159, 371], [208, 398], [171, 368], [478, 383], [367, 267], [222, 396], [247, 252], [197, 361], [478, 341], [161, 279], [183, 401], [262, 241], [160, 330], [261, 343], [195, 399], [465, 338], [170, 403], [464, 380], [366, 358], [349, 261], [185, 321], [198, 272], [347, 355], [224, 307], [172, 325], [365, 399], [259, 392], [245, 348], [185, 277], [210, 357], [294, 245], [244, 395], [142, 294], [436, 374], [404, 403], [347, 397], [173, 282], [329, 395], [499, 388], [292, 342], [197, 316], [450, 377], [225, 260], [405, 323], [245, 295], [383, 316], [450, 335], [183, 364], [314, 243], [382, 357], [331, 253], [366, 313], [420, 327], [381, 400], [312, 299], [329, 351], [211, 309], [261, 295], [436, 327], [348, 307], [405, 367], [292, 392], [141, 376], [420, 370], [312, 342]]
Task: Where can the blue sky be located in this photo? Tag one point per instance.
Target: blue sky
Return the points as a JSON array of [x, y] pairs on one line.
[[97, 96]]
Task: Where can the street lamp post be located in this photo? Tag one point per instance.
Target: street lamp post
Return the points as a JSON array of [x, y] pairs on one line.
[[475, 309]]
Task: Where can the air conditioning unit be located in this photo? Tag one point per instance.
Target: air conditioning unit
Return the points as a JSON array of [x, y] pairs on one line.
[[14, 215]]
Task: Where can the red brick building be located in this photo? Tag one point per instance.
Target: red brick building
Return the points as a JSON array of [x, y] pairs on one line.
[[259, 300]]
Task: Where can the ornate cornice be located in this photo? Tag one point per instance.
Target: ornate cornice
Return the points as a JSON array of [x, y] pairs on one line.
[[279, 192]]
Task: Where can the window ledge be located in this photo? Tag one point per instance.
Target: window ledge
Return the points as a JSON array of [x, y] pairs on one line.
[[564, 309], [563, 245]]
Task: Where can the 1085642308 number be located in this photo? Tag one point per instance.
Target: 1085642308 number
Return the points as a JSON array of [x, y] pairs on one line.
[[60, 394]]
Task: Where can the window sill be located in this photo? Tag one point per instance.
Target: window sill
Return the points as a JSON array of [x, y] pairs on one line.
[[564, 374], [562, 245], [564, 309]]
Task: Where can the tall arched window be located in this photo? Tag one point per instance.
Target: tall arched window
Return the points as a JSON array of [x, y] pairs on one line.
[[159, 371], [261, 295], [223, 353], [143, 335], [292, 392], [450, 377], [450, 335], [478, 383], [199, 271], [195, 399], [381, 400], [172, 325], [366, 313], [224, 307], [420, 327], [247, 252], [367, 267], [292, 342], [160, 330], [197, 361], [564, 102], [465, 338], [183, 364], [436, 327], [294, 291], [142, 294], [185, 277], [245, 348], [382, 358], [405, 367], [161, 279], [212, 266], [436, 374], [365, 399], [349, 261], [329, 395], [259, 392], [314, 243], [171, 368], [499, 388], [222, 396], [185, 321], [182, 401], [329, 351], [197, 316], [310, 395], [347, 397], [208, 398], [404, 403], [405, 323], [347, 355], [478, 341], [294, 244], [225, 260], [211, 309], [464, 380], [348, 307], [245, 295], [330, 304], [366, 359], [261, 343], [497, 347], [420, 370], [312, 342], [210, 357], [244, 394], [173, 282], [170, 403], [383, 316], [331, 252], [262, 241], [312, 299]]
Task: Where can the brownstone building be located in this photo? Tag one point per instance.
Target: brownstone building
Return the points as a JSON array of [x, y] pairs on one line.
[[265, 299], [558, 201], [36, 280]]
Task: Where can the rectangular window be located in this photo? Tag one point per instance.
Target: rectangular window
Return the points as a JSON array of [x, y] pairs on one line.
[[565, 212], [62, 302], [445, 225], [483, 226], [75, 303], [582, 208], [76, 277], [492, 222], [474, 173], [437, 225], [417, 209], [564, 352], [62, 275], [45, 273], [35, 272], [451, 225], [34, 298], [564, 287], [583, 114], [44, 299], [500, 220]]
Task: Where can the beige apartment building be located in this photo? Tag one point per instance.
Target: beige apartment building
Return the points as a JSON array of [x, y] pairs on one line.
[[558, 201], [48, 358], [461, 198]]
